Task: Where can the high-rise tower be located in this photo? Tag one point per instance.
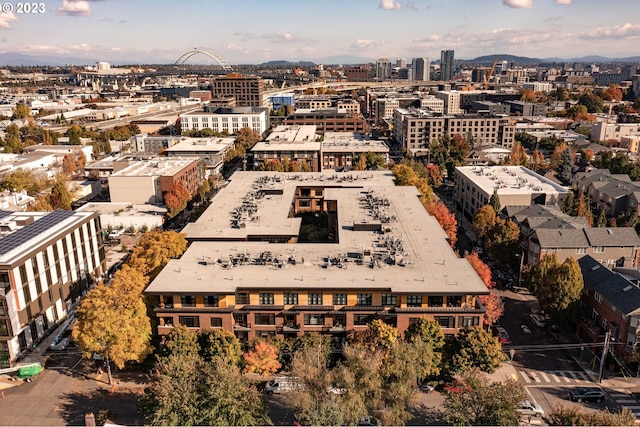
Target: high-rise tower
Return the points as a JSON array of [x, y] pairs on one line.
[[446, 65]]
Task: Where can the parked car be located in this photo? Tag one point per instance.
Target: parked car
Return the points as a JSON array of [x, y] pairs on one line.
[[586, 394], [116, 233], [530, 409], [538, 320], [502, 334]]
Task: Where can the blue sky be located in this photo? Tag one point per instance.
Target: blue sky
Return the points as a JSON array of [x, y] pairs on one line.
[[254, 31]]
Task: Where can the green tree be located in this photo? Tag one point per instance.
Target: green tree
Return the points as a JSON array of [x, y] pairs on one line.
[[494, 201], [569, 206], [601, 219], [428, 331], [556, 285], [482, 402], [593, 102], [221, 344], [112, 320], [60, 196], [473, 347], [74, 134], [565, 168], [180, 341]]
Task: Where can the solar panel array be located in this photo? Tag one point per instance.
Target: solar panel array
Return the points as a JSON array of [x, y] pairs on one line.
[[32, 230]]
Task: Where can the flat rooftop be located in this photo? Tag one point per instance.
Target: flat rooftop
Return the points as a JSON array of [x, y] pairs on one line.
[[292, 133], [352, 141], [196, 145], [123, 209], [409, 251], [20, 232], [509, 180], [158, 167]]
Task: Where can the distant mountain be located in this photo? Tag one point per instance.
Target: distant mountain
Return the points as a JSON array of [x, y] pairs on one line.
[[488, 59], [17, 59], [345, 59], [283, 63], [523, 60]]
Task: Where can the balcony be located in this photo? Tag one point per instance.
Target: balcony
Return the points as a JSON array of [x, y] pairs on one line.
[[242, 326], [289, 327]]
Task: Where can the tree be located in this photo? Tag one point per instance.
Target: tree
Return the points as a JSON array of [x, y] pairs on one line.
[[518, 156], [22, 111], [180, 341], [569, 206], [494, 201], [482, 402], [112, 320], [221, 344], [69, 165], [473, 347], [428, 331], [74, 134], [565, 167], [556, 285], [592, 101], [527, 95], [612, 93], [446, 219], [60, 196], [155, 249], [262, 359], [574, 416], [176, 198], [22, 179], [436, 178], [601, 219], [481, 268], [483, 221], [493, 305]]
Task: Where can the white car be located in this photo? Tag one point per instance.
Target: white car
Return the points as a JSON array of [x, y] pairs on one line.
[[538, 320], [529, 408]]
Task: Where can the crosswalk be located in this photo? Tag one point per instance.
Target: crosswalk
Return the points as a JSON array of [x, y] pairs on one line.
[[530, 377], [627, 401]]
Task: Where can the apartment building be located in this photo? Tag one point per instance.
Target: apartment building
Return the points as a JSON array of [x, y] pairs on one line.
[[328, 120], [253, 270], [514, 185], [339, 150], [47, 260], [601, 131], [292, 143], [248, 91], [226, 119], [451, 100], [211, 150], [416, 128]]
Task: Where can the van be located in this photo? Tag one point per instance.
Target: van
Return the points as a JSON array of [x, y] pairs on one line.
[[116, 233], [283, 384]]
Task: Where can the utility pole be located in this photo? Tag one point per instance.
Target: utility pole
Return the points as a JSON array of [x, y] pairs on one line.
[[605, 349]]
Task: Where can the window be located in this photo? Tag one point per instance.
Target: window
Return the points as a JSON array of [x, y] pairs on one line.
[[27, 294], [315, 299], [266, 298], [290, 298], [265, 319], [242, 298], [188, 300], [597, 296], [435, 300], [389, 299], [362, 319], [314, 319], [445, 321], [364, 299], [469, 321], [189, 321], [581, 250], [211, 300], [339, 299], [598, 249], [454, 301], [414, 300], [167, 321]]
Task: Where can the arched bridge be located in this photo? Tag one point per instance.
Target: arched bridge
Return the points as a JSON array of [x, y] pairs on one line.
[[225, 66]]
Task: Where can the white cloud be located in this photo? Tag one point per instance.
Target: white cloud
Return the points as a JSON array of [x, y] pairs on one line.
[[234, 47], [624, 31], [75, 8], [281, 37], [518, 4], [365, 44], [6, 19], [390, 5], [564, 2]]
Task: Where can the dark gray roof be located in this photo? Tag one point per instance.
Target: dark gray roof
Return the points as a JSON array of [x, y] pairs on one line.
[[614, 288], [32, 230], [612, 236], [618, 189], [554, 222], [562, 238]]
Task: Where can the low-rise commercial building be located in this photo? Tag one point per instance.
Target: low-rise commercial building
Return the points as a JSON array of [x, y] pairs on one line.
[[226, 119]]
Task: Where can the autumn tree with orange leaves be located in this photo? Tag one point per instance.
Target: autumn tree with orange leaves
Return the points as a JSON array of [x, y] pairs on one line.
[[262, 359], [493, 304], [446, 219]]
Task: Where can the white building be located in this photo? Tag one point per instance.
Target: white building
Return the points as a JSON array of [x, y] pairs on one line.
[[224, 119], [451, 100]]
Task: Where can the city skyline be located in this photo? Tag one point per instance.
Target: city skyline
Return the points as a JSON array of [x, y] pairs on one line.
[[252, 31]]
